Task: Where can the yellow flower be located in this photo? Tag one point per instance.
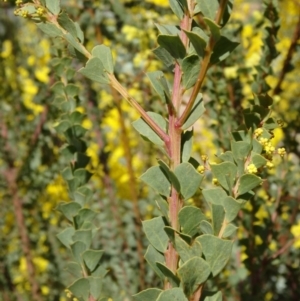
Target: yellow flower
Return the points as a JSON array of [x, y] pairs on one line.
[[45, 290], [244, 256], [248, 206], [231, 72], [268, 296], [258, 132], [40, 11], [261, 213], [281, 152], [252, 169], [42, 74], [204, 158], [258, 240], [273, 245], [215, 181], [7, 49], [201, 169], [163, 3], [295, 230]]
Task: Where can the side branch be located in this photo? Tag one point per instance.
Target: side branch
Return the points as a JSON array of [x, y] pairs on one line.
[[114, 83], [204, 67], [155, 127], [287, 61]]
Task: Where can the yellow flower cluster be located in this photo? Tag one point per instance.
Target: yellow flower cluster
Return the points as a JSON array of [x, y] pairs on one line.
[[258, 132], [204, 158], [267, 145], [40, 11], [163, 3], [215, 181], [251, 168], [201, 169], [111, 125], [295, 230], [22, 13], [281, 152]]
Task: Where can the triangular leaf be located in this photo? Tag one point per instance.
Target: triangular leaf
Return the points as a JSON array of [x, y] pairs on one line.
[[189, 179], [65, 236], [171, 176], [74, 268], [214, 29], [190, 218], [150, 294], [222, 50], [191, 68], [178, 7], [186, 145], [66, 23], [214, 195], [173, 294], [84, 215], [53, 6], [163, 55], [80, 288], [156, 178], [154, 230], [78, 247], [216, 251], [95, 286], [69, 209], [103, 53], [92, 258], [232, 208], [214, 297], [173, 45], [196, 112], [84, 236], [193, 273], [248, 182], [152, 256], [206, 227], [174, 281], [218, 215], [146, 131], [198, 42], [209, 8], [160, 85], [186, 251], [95, 70], [225, 173], [229, 230]]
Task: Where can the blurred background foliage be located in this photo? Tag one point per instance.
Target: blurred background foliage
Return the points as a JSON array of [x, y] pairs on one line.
[[265, 263]]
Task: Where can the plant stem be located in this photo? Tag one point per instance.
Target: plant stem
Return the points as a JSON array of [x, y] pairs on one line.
[[133, 189], [204, 67], [174, 151], [196, 296], [286, 65], [17, 203], [114, 83], [155, 127]]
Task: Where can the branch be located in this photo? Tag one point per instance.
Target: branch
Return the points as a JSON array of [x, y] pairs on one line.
[[115, 84], [287, 61], [204, 67]]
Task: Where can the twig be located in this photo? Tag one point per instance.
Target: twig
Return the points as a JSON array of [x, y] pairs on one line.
[[204, 68], [133, 189], [287, 61]]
